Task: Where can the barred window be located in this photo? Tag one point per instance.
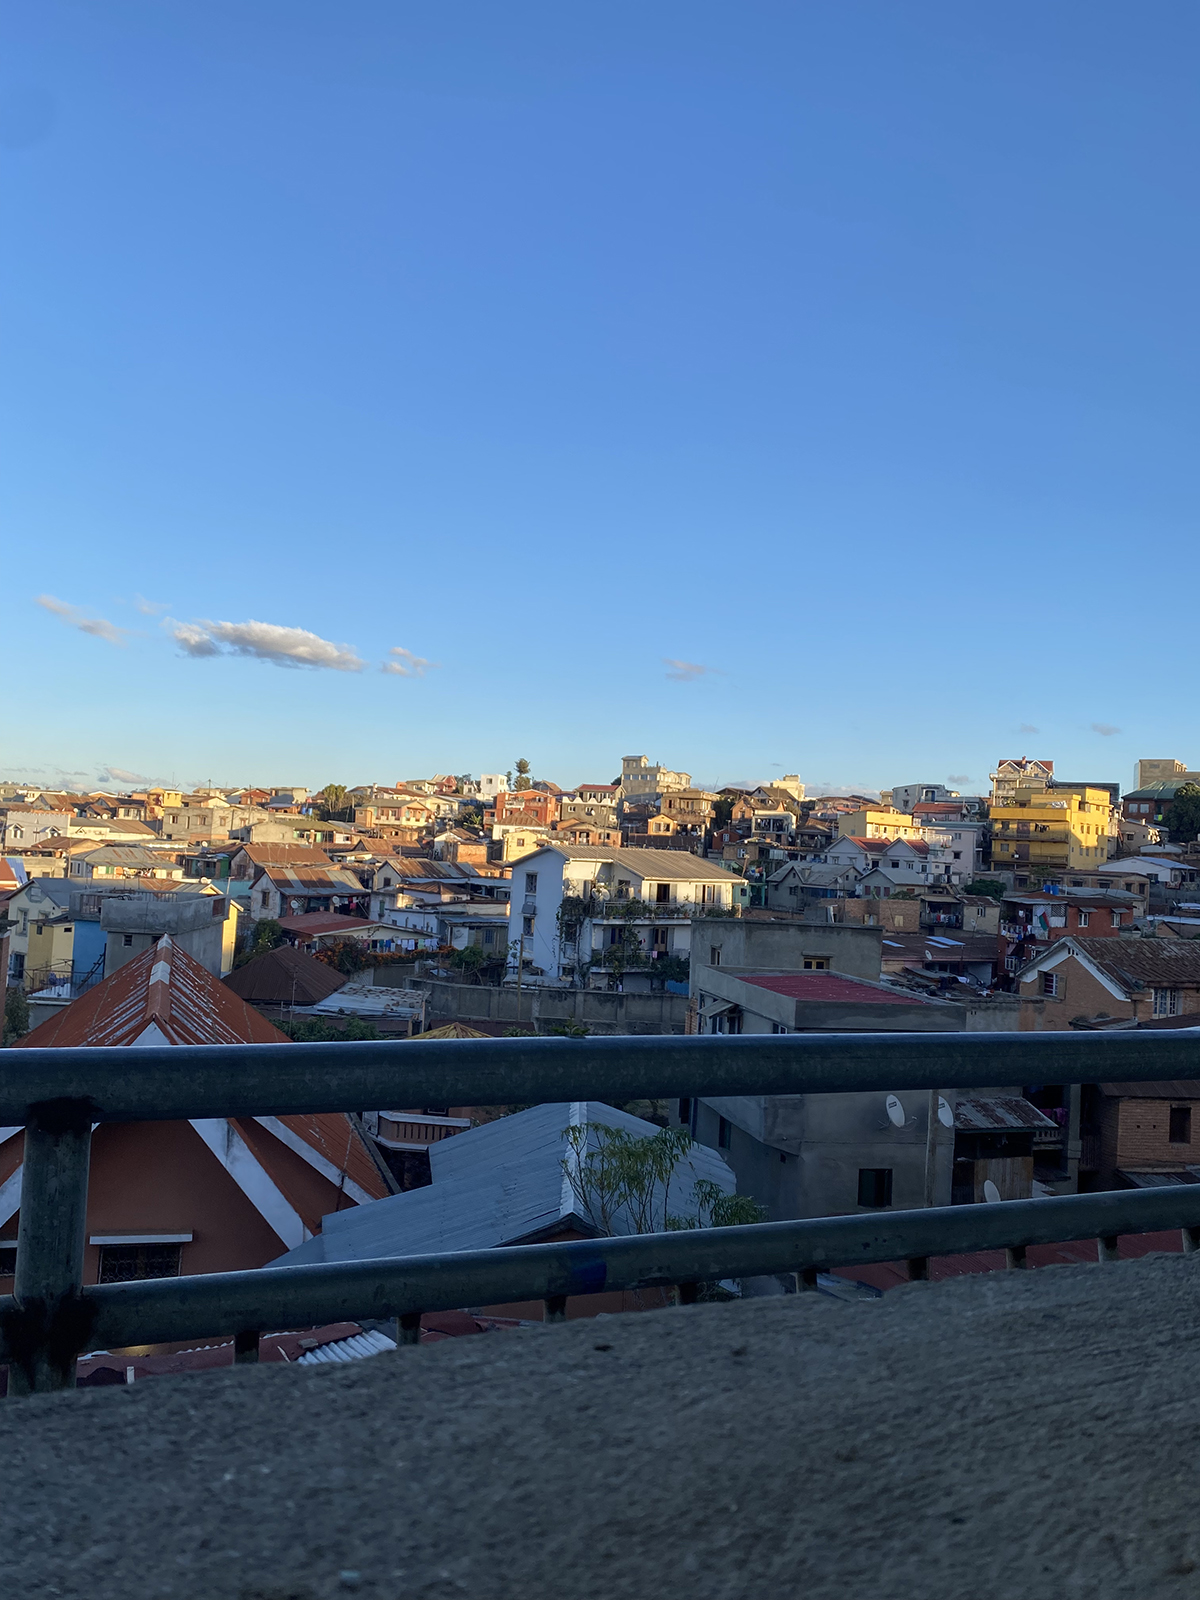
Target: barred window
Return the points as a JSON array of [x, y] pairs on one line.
[[127, 1263]]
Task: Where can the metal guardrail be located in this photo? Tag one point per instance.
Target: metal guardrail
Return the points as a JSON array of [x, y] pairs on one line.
[[59, 1094]]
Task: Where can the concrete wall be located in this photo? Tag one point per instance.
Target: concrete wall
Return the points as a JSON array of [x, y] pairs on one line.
[[539, 1007], [800, 1155], [203, 925], [782, 946]]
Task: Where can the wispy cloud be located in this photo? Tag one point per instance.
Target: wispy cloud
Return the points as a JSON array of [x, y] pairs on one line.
[[406, 665], [149, 608], [1104, 729], [1028, 727], [686, 671], [74, 618], [265, 641], [958, 777], [120, 775]]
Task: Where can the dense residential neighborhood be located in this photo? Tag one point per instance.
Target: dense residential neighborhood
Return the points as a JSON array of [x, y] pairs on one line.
[[510, 904]]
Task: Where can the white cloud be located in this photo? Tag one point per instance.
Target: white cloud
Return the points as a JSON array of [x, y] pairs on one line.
[[74, 618], [1104, 729], [958, 777], [406, 665], [265, 641], [149, 608], [1028, 727], [120, 775], [686, 671]]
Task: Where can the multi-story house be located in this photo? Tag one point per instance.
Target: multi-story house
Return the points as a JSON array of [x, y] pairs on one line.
[[1051, 831], [1088, 982], [1019, 772], [571, 904], [1160, 771], [643, 783], [1032, 919], [533, 807]]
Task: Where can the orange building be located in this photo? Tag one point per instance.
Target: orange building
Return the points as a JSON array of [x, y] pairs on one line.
[[214, 1194]]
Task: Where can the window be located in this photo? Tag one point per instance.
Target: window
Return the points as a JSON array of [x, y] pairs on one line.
[[714, 955], [778, 1027], [8, 1257], [127, 1263], [816, 964], [1166, 1002], [1116, 919], [127, 941], [659, 941], [531, 883], [875, 1187], [387, 883], [724, 1134], [1050, 984], [1181, 1125], [685, 1111], [527, 926], [662, 893], [1083, 918], [489, 936]]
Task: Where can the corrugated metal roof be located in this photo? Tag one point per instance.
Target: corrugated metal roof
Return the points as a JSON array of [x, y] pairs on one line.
[[1164, 1089], [831, 986], [285, 977], [298, 879], [498, 1184], [165, 990], [1149, 961], [655, 864], [355, 1348], [994, 1113]]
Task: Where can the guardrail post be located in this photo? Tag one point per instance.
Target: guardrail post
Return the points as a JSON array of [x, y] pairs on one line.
[[1014, 1256], [555, 1308], [918, 1269], [1191, 1240], [1108, 1247], [50, 1324], [245, 1346], [410, 1327]]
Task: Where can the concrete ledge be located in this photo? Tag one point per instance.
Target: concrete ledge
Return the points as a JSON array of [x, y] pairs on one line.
[[1014, 1437]]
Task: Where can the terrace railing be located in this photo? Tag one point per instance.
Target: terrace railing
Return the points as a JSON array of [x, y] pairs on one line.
[[58, 1095]]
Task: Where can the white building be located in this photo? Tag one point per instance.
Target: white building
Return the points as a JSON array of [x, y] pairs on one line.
[[598, 885], [491, 784]]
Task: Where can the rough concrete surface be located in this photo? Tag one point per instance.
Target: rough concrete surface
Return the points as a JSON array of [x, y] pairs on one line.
[[1025, 1435]]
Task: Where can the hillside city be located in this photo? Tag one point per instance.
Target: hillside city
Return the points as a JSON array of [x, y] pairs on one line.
[[511, 906]]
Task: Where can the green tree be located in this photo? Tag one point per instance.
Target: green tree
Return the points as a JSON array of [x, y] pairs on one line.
[[16, 1016], [522, 780], [622, 1172], [316, 1030], [1185, 814], [670, 969], [987, 886], [264, 936], [331, 802]]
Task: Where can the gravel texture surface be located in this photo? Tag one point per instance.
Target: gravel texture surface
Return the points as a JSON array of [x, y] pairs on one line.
[[1028, 1435]]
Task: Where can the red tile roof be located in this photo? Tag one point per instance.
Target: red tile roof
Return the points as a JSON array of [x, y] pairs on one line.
[[830, 986], [165, 989]]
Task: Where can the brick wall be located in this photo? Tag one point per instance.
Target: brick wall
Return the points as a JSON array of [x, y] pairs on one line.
[[1082, 995]]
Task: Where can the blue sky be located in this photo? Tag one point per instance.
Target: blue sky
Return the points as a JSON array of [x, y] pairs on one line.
[[769, 387]]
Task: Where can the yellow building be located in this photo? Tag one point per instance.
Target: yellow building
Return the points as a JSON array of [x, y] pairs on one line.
[[1053, 830], [878, 822]]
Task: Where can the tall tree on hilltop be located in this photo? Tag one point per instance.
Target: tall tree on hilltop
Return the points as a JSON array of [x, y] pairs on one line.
[[522, 780]]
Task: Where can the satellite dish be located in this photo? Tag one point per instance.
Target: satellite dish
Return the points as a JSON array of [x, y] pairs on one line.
[[990, 1192], [895, 1112], [945, 1115]]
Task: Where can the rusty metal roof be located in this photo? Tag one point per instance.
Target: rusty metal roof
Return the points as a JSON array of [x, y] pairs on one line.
[[997, 1113]]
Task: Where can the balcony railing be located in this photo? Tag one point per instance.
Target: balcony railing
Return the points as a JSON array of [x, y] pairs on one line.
[[60, 1094]]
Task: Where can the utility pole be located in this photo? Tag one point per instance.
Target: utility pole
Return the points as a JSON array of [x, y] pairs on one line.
[[520, 974], [931, 1148]]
